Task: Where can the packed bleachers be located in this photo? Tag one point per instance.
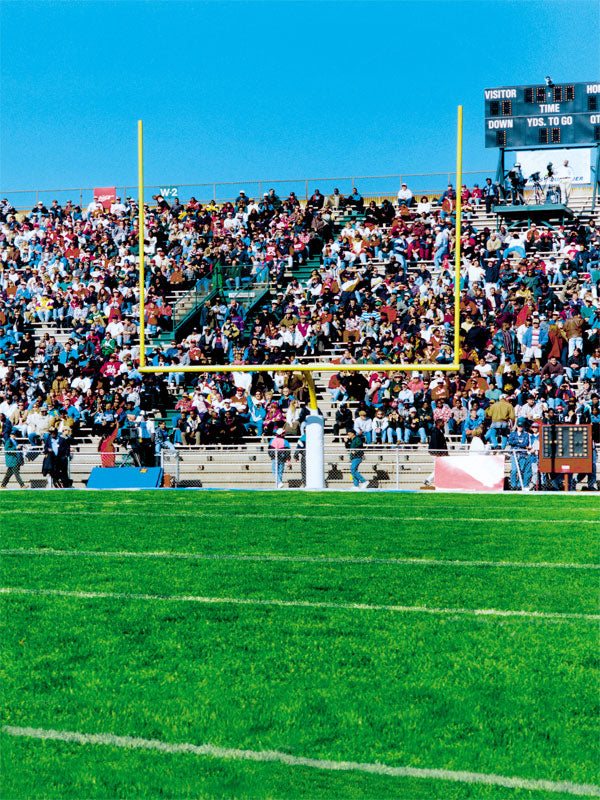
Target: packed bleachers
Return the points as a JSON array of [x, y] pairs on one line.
[[277, 281]]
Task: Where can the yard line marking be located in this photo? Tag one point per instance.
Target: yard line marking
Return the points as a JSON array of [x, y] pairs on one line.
[[259, 601], [315, 516], [214, 751], [269, 557]]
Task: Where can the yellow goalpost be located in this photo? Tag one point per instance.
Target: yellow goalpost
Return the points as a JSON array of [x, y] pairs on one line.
[[306, 369]]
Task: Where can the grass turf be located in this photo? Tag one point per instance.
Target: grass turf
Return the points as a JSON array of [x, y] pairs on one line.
[[509, 696]]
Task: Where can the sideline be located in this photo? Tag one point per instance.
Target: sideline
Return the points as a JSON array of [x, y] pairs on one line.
[[250, 601], [316, 516], [269, 557], [136, 743], [302, 489]]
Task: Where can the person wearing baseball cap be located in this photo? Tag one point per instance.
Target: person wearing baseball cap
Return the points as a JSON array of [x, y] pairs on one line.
[[519, 443]]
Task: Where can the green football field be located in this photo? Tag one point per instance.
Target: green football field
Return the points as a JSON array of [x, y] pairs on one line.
[[299, 645]]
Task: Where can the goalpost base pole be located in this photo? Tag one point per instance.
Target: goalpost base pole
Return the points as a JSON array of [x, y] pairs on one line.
[[315, 452]]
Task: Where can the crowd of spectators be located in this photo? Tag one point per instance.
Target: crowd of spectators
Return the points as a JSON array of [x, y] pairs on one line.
[[381, 291]]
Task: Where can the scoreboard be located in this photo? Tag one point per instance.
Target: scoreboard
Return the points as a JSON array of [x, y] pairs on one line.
[[566, 448], [539, 115]]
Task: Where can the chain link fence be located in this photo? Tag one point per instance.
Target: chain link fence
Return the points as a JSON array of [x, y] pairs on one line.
[[256, 467]]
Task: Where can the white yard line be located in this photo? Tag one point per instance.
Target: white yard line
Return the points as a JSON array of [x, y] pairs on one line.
[[268, 557], [136, 743], [258, 601], [377, 517]]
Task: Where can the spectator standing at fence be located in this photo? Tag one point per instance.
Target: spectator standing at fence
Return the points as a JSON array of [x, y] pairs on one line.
[[145, 431], [162, 440], [57, 452], [519, 443], [13, 459], [355, 443], [438, 446], [280, 452], [106, 446]]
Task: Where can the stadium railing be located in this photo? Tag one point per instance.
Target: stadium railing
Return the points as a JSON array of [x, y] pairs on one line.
[[369, 187], [250, 466]]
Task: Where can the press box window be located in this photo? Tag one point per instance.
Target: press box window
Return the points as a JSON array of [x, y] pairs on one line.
[[500, 138]]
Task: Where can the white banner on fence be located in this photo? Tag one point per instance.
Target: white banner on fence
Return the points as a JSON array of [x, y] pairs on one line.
[[474, 473]]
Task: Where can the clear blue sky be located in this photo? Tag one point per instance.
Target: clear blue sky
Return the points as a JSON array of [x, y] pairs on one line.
[[234, 90]]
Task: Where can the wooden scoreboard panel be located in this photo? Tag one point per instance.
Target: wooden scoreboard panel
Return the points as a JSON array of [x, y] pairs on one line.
[[566, 448]]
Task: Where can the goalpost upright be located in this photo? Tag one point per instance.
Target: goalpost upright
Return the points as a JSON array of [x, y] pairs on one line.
[[315, 473]]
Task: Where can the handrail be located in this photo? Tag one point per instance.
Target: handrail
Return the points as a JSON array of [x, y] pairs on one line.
[[260, 180], [259, 184]]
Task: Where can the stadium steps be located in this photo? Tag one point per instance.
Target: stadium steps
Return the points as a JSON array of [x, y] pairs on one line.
[[302, 272], [342, 219], [249, 466], [245, 469]]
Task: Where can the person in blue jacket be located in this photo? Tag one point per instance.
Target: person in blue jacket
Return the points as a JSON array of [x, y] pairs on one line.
[[535, 338], [519, 443], [13, 458]]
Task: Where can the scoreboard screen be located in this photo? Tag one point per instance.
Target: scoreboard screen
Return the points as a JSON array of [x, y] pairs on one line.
[[566, 448], [539, 115]]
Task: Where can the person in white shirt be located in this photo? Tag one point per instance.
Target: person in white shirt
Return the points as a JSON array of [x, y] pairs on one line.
[[405, 395], [379, 427], [362, 424], [161, 259], [118, 207], [94, 206], [115, 328], [405, 196], [475, 272], [81, 383], [423, 206], [231, 223], [565, 180]]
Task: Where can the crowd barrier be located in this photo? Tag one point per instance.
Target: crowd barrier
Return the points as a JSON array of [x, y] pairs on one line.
[[393, 467]]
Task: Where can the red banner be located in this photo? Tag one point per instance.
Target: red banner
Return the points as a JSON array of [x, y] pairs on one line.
[[475, 473], [106, 195]]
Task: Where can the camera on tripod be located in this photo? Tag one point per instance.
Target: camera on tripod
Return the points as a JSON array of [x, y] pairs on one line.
[[534, 177], [125, 436], [515, 177], [128, 438]]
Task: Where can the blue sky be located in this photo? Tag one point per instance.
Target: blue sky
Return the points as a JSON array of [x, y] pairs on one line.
[[233, 90]]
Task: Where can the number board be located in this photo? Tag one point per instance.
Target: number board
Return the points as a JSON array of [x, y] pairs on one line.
[[566, 448], [540, 115]]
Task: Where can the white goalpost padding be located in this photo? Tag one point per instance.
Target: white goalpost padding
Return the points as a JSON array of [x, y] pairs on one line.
[[315, 452]]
